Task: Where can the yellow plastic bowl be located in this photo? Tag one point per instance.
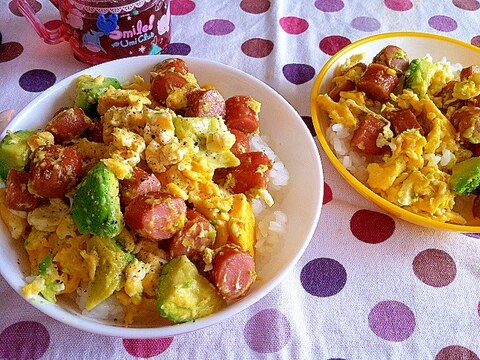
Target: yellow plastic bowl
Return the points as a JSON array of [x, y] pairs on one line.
[[416, 45]]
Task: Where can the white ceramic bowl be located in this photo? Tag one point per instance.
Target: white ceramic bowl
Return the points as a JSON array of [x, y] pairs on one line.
[[288, 137], [416, 45]]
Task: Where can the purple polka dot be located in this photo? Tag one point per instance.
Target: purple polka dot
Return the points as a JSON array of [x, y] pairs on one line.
[[454, 352], [475, 40], [146, 348], [442, 23], [10, 51], [293, 25], [478, 308], [298, 73], [218, 27], [182, 7], [323, 277], [331, 44], [392, 320], [371, 227], [37, 80], [329, 5], [53, 24], [24, 340], [327, 193], [178, 49], [309, 122], [35, 5], [473, 235], [255, 6], [434, 267], [470, 5], [267, 331], [257, 48], [398, 5], [365, 23]]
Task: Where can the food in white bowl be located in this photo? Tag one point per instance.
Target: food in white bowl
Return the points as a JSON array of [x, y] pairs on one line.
[[403, 122], [106, 264]]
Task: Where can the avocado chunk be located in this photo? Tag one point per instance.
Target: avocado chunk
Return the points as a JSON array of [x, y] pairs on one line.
[[419, 75], [465, 177], [89, 89], [112, 260], [212, 137], [14, 152], [183, 294], [96, 203]]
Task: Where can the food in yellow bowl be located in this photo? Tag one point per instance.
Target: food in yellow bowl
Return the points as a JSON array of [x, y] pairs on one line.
[[141, 196], [408, 129]]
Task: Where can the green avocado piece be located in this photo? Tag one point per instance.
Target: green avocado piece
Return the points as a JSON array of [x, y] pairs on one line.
[[96, 203], [183, 294], [14, 152], [419, 75], [466, 176], [112, 260], [89, 89]]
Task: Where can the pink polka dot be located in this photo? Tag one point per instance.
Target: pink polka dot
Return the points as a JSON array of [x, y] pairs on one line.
[[442, 23], [24, 340], [255, 6], [454, 352], [434, 267], [35, 5], [478, 308], [293, 25], [327, 193], [181, 7], [470, 5], [268, 331], [53, 24], [218, 27], [371, 227], [329, 5], [257, 48], [10, 51], [399, 5], [392, 320], [331, 44], [146, 348], [475, 40]]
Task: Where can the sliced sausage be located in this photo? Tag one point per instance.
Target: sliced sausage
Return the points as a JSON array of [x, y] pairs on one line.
[[467, 121], [140, 183], [476, 207], [202, 102], [196, 235], [393, 57], [17, 196], [402, 120], [468, 71], [378, 82], [252, 173], [344, 85], [364, 138], [156, 215], [95, 132], [164, 83], [241, 113], [68, 124], [242, 144], [446, 96], [173, 64], [54, 171], [233, 271]]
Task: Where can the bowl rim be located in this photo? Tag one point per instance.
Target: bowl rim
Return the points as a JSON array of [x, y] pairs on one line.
[[351, 179], [92, 325]]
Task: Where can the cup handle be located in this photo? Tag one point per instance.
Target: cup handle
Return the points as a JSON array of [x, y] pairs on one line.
[[49, 36]]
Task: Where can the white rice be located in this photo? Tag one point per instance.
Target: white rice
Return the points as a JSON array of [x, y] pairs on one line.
[[110, 309]]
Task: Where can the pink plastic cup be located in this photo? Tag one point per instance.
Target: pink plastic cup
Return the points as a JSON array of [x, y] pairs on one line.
[[100, 31]]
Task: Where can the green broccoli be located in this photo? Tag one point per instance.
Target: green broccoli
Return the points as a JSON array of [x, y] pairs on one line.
[[96, 203], [14, 152], [89, 89], [183, 294], [419, 75]]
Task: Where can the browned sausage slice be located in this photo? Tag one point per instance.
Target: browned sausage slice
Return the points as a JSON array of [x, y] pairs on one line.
[[17, 196], [467, 121], [378, 82], [393, 57], [173, 64], [164, 83], [402, 120], [140, 183], [241, 113], [68, 124], [156, 215], [202, 102], [233, 271], [468, 71], [365, 136]]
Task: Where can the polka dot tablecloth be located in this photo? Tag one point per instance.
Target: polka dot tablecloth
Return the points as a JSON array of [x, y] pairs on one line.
[[369, 286]]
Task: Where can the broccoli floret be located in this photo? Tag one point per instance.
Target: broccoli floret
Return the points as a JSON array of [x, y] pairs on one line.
[[89, 89], [14, 152], [183, 294], [96, 203], [466, 176], [419, 75]]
